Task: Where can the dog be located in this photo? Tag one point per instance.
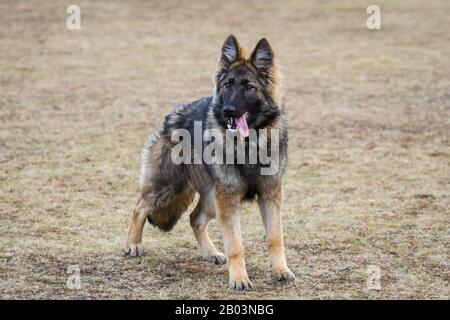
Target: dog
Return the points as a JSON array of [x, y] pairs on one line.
[[247, 96]]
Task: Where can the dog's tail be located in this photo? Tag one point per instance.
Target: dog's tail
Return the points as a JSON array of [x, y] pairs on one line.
[[165, 217], [165, 189]]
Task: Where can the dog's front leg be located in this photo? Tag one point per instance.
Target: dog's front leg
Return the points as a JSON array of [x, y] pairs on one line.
[[270, 207], [228, 216]]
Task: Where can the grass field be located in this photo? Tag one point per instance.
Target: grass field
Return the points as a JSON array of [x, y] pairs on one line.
[[368, 181]]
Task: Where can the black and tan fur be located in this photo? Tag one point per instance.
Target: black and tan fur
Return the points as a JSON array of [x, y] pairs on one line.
[[250, 83]]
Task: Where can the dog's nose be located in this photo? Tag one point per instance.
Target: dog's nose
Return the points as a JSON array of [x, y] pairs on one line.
[[228, 111]]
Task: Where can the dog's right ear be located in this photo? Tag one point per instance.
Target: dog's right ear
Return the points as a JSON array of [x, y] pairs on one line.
[[229, 53]]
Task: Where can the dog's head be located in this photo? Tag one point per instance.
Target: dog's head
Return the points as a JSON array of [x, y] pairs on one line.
[[247, 93]]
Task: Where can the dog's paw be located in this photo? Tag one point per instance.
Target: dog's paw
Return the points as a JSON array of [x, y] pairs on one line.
[[241, 284], [133, 250], [283, 275], [219, 258]]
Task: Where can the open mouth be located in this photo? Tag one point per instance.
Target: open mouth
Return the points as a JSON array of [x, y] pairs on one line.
[[240, 124]]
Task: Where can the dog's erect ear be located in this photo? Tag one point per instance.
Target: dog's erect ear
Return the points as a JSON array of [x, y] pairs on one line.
[[262, 57], [230, 52]]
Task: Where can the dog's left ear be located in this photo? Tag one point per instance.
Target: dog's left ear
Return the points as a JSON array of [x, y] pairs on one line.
[[263, 57]]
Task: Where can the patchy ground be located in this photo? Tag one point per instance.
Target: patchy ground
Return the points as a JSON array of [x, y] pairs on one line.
[[369, 115]]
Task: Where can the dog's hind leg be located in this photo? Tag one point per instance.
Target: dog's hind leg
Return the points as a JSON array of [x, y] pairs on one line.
[[200, 217], [133, 246]]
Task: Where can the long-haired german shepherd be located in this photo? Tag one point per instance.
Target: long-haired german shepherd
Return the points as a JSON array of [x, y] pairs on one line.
[[247, 96]]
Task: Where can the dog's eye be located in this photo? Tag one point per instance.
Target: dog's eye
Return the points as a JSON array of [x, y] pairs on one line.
[[249, 87], [227, 84]]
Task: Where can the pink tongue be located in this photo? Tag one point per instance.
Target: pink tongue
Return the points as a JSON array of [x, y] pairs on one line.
[[242, 126]]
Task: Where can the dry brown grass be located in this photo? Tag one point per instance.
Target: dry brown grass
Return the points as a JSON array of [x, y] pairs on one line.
[[368, 180]]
